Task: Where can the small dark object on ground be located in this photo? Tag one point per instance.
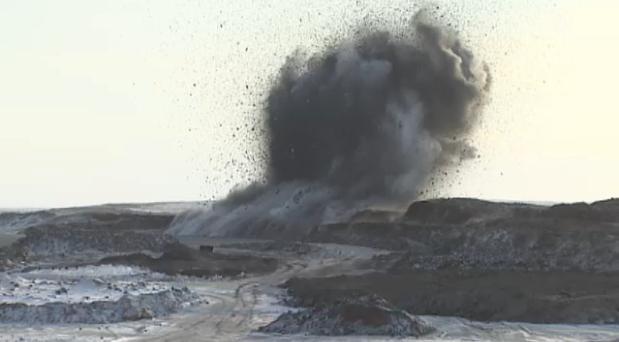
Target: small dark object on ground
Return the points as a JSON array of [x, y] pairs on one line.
[[206, 248]]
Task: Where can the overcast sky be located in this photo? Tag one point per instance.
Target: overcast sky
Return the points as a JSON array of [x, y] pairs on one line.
[[126, 101]]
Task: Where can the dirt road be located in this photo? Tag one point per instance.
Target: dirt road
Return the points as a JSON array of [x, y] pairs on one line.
[[239, 307]]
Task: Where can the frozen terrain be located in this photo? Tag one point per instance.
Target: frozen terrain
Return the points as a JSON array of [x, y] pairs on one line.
[[91, 294], [67, 295]]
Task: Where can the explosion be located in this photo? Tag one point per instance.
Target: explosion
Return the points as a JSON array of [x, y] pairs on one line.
[[364, 123]]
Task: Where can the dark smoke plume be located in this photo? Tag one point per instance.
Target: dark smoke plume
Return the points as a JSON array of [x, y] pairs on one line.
[[364, 123]]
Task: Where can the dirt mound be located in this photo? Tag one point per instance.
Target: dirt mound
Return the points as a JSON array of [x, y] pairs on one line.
[[78, 240], [359, 316], [482, 235], [537, 297], [183, 260], [461, 211], [473, 234], [453, 211], [17, 221], [81, 233], [88, 218]]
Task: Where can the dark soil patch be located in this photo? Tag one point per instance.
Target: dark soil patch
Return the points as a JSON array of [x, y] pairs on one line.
[[178, 259], [538, 297]]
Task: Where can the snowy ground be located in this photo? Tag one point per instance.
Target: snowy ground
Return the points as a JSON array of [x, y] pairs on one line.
[[216, 309], [91, 294], [81, 284]]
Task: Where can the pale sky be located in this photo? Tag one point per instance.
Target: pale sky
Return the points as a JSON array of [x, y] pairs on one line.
[[98, 103]]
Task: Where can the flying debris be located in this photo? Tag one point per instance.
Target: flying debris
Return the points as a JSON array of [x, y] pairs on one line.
[[361, 124]]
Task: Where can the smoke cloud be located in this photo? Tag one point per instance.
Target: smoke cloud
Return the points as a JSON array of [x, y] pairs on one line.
[[364, 123]]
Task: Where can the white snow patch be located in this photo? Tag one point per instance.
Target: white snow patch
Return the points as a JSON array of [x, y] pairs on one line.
[[90, 294], [101, 272], [79, 285]]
